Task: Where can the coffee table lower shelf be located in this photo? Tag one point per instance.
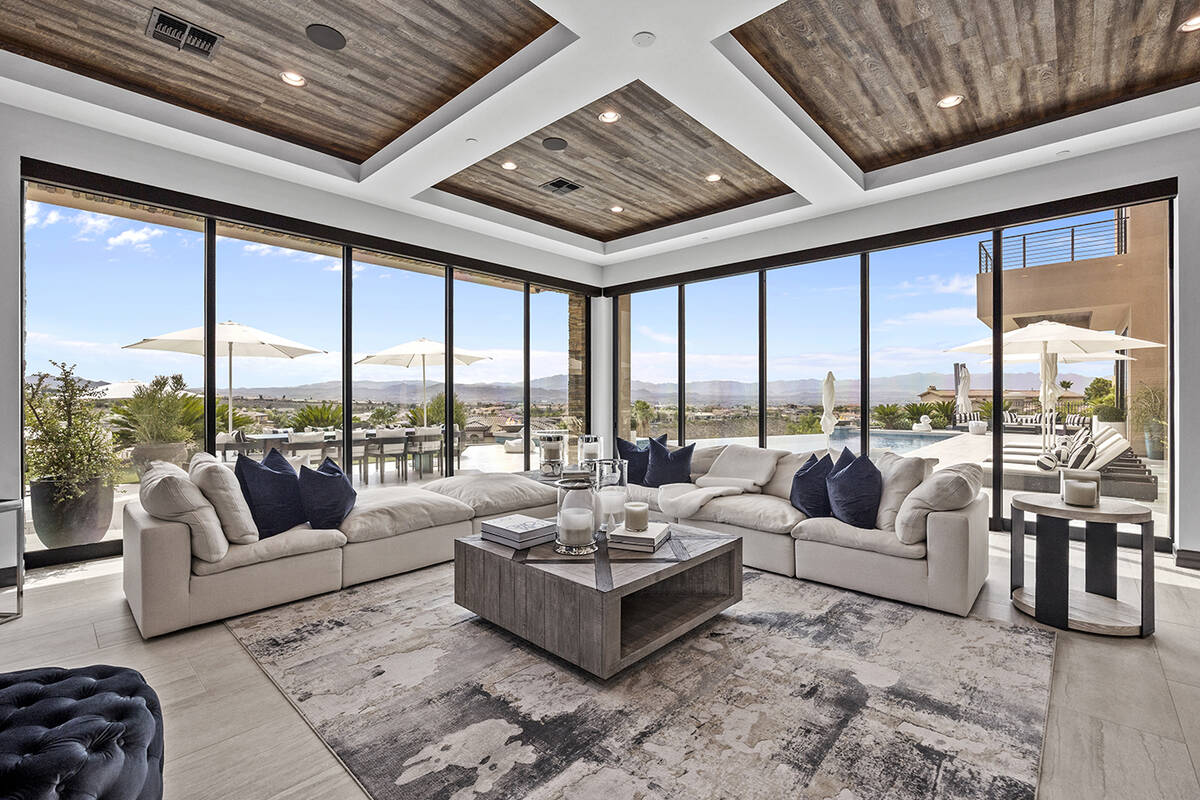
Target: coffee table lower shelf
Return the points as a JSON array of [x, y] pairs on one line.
[[1087, 612]]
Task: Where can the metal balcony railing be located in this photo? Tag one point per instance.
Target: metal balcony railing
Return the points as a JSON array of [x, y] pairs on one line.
[[1108, 237]]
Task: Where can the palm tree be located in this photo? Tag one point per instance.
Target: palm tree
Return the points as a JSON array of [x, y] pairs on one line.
[[914, 411], [1066, 384], [943, 412], [889, 415], [642, 415]]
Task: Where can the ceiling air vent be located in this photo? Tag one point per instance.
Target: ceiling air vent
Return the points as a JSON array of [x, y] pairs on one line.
[[560, 186], [181, 34]]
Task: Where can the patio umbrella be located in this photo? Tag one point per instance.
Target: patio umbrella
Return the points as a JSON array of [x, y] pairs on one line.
[[119, 390], [962, 396], [1069, 358], [1048, 393], [1048, 340], [426, 352], [234, 339], [828, 419]]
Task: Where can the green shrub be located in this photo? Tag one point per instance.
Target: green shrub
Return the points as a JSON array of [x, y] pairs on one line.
[[805, 423], [889, 415], [1108, 413], [322, 415]]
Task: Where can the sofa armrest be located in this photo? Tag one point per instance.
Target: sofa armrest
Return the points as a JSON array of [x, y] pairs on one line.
[[957, 546], [157, 571]]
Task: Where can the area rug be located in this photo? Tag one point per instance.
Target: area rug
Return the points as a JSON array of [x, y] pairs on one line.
[[799, 691]]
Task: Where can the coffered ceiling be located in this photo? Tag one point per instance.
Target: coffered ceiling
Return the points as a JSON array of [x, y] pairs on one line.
[[805, 108], [653, 163], [870, 73], [403, 59]]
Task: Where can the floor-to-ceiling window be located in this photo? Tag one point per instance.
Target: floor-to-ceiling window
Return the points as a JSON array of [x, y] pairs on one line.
[[924, 303], [101, 275], [812, 329], [489, 371], [648, 365], [557, 366], [721, 361], [399, 364]]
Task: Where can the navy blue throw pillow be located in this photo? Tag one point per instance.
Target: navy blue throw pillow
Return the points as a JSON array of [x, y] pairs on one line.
[[854, 492], [809, 495], [272, 491], [843, 461], [638, 457], [327, 495], [668, 466]]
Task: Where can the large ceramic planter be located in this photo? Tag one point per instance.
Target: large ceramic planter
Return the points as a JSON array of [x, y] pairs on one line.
[[80, 520], [143, 454], [1155, 433], [1099, 425]]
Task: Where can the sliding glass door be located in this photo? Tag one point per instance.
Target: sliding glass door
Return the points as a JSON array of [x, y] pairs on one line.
[[647, 388], [721, 361]]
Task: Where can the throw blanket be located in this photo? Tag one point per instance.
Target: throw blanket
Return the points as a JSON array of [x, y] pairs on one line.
[[745, 468], [683, 500]]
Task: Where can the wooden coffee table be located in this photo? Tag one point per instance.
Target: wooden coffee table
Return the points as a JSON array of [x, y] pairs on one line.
[[605, 611]]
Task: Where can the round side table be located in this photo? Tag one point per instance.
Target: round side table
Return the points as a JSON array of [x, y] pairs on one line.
[[1050, 600]]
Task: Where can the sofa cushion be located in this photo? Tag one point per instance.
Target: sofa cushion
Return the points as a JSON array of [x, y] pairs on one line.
[[495, 492], [833, 531], [294, 542], [638, 458], [948, 489], [703, 458], [380, 513], [326, 494], [168, 493], [809, 494], [644, 494], [272, 491], [747, 468], [760, 512], [667, 466], [900, 476], [854, 492], [780, 484], [221, 488]]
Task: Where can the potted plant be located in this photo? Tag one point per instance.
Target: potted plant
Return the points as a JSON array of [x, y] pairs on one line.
[[1148, 411], [156, 421], [70, 460], [1109, 415]]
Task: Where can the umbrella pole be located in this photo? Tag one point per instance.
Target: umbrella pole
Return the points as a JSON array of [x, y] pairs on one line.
[[230, 409]]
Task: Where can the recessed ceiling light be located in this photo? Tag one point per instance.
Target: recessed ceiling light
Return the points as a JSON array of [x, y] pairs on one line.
[[609, 117], [292, 78], [472, 140], [509, 165], [712, 178], [1190, 25], [616, 209], [950, 101]]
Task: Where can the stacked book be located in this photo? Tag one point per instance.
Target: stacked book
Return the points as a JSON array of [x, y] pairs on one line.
[[646, 541], [518, 531]]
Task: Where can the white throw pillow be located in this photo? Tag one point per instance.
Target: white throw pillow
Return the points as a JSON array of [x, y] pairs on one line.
[[948, 489], [900, 476], [166, 492], [220, 487]]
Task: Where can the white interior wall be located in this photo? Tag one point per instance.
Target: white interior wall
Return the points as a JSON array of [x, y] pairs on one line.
[[601, 367]]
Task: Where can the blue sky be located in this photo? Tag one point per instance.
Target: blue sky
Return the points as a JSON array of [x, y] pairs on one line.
[[97, 282]]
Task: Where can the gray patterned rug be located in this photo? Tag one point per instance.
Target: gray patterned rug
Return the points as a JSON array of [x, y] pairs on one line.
[[799, 691]]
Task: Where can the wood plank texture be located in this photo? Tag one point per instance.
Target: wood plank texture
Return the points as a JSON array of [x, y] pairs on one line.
[[403, 60], [870, 73], [652, 163]]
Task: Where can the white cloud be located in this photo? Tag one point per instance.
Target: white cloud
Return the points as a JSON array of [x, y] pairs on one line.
[[655, 336], [958, 283], [32, 213], [258, 248], [90, 223], [958, 315], [336, 266], [139, 238]]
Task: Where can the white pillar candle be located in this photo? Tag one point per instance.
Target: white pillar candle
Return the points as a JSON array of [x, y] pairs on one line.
[[637, 516], [612, 499], [576, 526], [591, 450], [552, 451], [1079, 493]]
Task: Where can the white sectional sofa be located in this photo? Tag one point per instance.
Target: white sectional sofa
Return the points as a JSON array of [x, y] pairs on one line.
[[389, 531], [945, 570]]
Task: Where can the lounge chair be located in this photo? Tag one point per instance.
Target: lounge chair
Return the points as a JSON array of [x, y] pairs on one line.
[[1122, 473]]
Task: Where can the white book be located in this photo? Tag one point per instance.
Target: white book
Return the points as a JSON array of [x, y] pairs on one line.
[[518, 526], [655, 534]]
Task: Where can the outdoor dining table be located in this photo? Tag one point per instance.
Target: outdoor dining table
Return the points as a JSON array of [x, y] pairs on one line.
[[266, 440]]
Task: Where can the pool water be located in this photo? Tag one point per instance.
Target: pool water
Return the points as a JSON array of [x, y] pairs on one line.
[[896, 441]]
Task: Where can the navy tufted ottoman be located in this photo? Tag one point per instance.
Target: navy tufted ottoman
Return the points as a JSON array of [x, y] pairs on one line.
[[94, 732]]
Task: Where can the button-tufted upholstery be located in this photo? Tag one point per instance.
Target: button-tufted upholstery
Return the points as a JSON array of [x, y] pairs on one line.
[[94, 732]]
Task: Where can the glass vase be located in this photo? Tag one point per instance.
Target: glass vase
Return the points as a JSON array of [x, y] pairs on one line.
[[576, 518], [611, 477]]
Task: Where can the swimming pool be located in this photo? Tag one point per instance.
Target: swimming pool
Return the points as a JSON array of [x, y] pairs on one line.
[[896, 441]]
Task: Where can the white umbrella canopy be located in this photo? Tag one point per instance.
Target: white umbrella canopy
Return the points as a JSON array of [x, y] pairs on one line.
[[828, 418], [425, 352], [962, 398], [1068, 358], [1056, 337], [233, 339]]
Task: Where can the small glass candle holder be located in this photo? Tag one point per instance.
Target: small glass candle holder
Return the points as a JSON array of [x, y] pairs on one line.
[[576, 518], [611, 478], [591, 448], [554, 450]]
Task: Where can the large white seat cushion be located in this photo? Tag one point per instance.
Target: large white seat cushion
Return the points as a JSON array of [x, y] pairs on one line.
[[383, 512], [833, 531], [760, 512], [900, 476], [220, 487], [296, 541], [495, 492], [168, 493]]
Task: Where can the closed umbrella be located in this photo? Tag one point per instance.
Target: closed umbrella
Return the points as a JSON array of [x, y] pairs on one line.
[[233, 339], [427, 353], [962, 397], [828, 419], [1048, 393]]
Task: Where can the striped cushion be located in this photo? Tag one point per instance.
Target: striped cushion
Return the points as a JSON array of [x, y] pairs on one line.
[[1082, 456], [1010, 417], [1047, 462], [1082, 435]]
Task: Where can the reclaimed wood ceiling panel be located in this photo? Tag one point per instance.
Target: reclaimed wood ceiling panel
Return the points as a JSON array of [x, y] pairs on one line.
[[403, 60], [652, 162], [870, 72]]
